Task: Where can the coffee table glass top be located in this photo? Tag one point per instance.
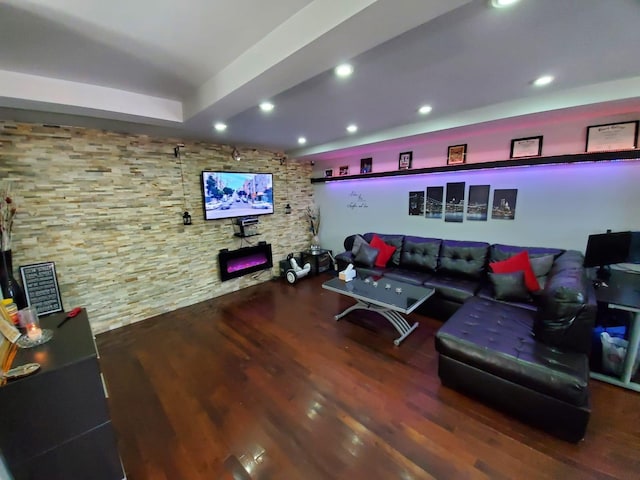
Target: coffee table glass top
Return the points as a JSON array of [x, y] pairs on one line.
[[399, 296]]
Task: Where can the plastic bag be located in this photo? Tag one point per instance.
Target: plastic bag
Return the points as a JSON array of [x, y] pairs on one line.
[[614, 351]]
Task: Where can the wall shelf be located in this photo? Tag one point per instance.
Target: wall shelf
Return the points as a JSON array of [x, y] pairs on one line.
[[518, 162]]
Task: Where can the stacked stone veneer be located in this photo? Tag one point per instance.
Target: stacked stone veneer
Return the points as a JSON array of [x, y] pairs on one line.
[[107, 208]]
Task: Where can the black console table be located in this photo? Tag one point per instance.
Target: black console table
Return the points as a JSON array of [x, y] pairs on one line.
[[623, 293], [319, 259], [55, 423]]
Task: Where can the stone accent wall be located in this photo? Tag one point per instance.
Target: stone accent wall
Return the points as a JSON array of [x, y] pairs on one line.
[[107, 207]]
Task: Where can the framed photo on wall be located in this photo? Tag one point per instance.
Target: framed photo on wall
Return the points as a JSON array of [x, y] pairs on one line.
[[614, 136], [328, 173], [404, 160], [457, 154], [526, 147], [366, 165], [344, 170]]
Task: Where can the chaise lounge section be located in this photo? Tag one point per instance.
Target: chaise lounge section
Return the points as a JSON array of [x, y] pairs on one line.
[[525, 353]]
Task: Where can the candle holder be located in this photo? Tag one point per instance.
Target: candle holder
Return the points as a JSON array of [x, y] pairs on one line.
[[34, 335]]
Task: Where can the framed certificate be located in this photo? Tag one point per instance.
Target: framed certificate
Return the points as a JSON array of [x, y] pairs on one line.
[[526, 147], [614, 136]]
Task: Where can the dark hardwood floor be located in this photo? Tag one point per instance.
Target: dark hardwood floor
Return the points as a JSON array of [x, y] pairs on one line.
[[264, 384]]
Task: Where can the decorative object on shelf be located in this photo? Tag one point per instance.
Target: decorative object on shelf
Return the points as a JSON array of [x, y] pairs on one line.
[[526, 147], [328, 173], [454, 208], [313, 214], [344, 170], [34, 335], [416, 203], [366, 165], [504, 204], [457, 154], [478, 203], [404, 160], [41, 287], [611, 137], [10, 287], [434, 202]]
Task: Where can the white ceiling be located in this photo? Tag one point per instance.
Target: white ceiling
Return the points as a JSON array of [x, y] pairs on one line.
[[173, 68]]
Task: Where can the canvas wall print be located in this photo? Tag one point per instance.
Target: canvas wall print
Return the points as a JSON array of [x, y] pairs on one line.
[[478, 203], [433, 208], [504, 204], [454, 207], [416, 203], [366, 165]]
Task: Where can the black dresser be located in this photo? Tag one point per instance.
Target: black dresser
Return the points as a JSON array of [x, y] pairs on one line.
[[55, 424]]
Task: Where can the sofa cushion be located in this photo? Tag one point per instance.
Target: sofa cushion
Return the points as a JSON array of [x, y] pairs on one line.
[[498, 338], [366, 255], [420, 253], [460, 258], [566, 306], [501, 252], [413, 277], [541, 265], [509, 287], [385, 251], [486, 292], [517, 263], [358, 240], [456, 289], [395, 241]]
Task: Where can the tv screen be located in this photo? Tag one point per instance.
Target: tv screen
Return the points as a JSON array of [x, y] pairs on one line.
[[607, 249], [236, 194]]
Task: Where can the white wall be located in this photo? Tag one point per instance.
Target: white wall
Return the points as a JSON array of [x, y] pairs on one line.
[[557, 205]]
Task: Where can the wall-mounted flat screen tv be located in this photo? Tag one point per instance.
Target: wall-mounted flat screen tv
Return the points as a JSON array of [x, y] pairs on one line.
[[236, 194]]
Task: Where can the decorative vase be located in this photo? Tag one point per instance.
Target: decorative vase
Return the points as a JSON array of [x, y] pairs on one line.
[[10, 287], [315, 243]]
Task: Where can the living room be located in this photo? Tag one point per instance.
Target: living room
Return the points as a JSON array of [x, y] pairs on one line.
[[105, 200]]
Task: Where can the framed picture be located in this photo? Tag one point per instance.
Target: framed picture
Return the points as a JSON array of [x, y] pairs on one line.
[[478, 203], [526, 147], [366, 165], [454, 206], [416, 203], [328, 173], [457, 154], [41, 287], [404, 160], [614, 136], [344, 170], [504, 204], [434, 202]]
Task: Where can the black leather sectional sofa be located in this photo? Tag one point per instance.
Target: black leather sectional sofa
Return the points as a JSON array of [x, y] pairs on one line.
[[525, 354]]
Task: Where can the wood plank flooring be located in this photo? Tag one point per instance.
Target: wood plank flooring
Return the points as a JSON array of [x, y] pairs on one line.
[[264, 384]]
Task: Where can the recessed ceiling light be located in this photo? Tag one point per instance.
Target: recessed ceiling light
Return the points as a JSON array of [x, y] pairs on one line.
[[344, 70], [302, 140], [502, 3], [543, 80], [423, 110], [266, 106], [220, 127], [352, 128]]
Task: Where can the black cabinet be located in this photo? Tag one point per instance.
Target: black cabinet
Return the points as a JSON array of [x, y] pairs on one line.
[[320, 260], [55, 422]]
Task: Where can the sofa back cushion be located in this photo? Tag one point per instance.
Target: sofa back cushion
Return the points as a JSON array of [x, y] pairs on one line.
[[566, 307], [394, 240], [461, 258], [500, 252], [419, 253]]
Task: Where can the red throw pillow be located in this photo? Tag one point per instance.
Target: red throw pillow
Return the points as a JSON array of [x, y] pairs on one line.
[[386, 251], [519, 262]]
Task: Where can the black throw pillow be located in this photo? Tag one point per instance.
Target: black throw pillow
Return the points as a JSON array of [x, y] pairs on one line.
[[366, 255], [510, 287]]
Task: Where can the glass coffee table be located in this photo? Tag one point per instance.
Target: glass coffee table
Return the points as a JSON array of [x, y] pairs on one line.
[[389, 298]]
